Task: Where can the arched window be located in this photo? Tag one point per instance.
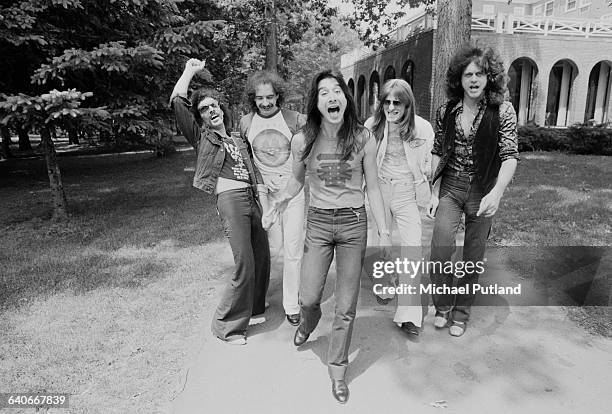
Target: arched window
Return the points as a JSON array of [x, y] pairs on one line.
[[408, 71], [598, 95], [560, 82], [522, 73], [389, 73], [351, 86]]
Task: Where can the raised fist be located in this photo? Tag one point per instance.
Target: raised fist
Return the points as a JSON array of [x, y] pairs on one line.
[[195, 65]]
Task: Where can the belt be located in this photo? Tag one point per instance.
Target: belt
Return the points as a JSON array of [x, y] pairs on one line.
[[456, 173]]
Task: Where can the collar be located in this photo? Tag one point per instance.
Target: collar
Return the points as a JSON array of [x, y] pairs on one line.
[[482, 104], [269, 116]]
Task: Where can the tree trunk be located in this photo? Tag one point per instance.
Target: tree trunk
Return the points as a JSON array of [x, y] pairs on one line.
[[73, 136], [24, 139], [55, 178], [453, 30], [271, 40], [6, 142]]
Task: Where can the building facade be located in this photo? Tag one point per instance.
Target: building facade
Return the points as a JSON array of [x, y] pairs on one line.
[[558, 55]]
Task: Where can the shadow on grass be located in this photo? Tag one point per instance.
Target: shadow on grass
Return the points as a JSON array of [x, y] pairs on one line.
[[52, 272]]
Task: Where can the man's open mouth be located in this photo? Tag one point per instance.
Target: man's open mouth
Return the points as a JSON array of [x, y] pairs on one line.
[[334, 109], [214, 117]]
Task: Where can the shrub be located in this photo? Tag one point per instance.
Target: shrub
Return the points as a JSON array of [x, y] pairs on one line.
[[590, 139], [577, 139], [535, 138]]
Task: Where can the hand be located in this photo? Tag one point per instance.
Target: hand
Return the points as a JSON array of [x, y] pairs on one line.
[[280, 203], [269, 218], [489, 204], [385, 244], [195, 65], [433, 206], [273, 186]]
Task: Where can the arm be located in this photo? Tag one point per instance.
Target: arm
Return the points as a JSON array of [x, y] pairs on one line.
[[296, 181], [508, 152], [181, 105], [192, 67], [490, 203], [376, 202], [435, 161]]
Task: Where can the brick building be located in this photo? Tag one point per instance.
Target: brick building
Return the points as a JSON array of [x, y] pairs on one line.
[[558, 54]]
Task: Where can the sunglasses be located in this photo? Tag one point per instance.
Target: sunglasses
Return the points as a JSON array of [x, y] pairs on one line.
[[388, 102], [205, 108]]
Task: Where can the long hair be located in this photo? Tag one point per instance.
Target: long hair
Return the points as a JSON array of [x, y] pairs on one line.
[[199, 95], [401, 89], [261, 78], [351, 129], [491, 64]]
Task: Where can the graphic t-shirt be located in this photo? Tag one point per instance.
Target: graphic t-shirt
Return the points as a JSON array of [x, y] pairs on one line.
[[395, 164], [335, 183], [270, 139], [234, 167]]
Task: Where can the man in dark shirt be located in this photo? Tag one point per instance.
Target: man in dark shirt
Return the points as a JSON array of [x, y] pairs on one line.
[[475, 155]]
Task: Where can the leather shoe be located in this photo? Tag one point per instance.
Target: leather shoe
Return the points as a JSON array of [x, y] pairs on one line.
[[294, 319], [410, 328], [300, 338], [340, 391]]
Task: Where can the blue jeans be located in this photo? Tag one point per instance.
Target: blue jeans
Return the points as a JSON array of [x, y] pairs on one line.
[[245, 293], [343, 231], [459, 193]]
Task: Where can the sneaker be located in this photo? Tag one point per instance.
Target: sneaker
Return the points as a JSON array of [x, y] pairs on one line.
[[457, 328], [441, 319]]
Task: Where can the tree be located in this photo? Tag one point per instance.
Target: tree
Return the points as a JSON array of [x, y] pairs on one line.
[[374, 19], [315, 53], [454, 19], [46, 112], [5, 149], [273, 27], [454, 29], [271, 38], [68, 45]]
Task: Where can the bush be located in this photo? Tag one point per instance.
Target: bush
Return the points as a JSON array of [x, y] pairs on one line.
[[577, 139], [590, 139]]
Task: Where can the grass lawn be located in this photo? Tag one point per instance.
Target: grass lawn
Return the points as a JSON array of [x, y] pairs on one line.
[[107, 307]]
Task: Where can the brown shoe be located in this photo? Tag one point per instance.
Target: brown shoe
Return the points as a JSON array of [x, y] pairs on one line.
[[300, 338]]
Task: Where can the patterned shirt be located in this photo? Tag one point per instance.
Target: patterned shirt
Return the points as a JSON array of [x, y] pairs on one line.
[[462, 160]]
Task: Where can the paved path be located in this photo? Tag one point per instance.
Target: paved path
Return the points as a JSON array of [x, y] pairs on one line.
[[511, 360]]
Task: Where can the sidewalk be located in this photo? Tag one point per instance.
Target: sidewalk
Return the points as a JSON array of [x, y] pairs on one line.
[[510, 360]]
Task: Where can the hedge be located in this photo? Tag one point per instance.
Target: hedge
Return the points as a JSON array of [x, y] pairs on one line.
[[577, 139]]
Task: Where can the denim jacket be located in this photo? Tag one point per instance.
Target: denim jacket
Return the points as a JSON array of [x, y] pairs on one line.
[[209, 149]]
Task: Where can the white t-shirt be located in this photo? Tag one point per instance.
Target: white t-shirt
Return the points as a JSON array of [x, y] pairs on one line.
[[270, 139]]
